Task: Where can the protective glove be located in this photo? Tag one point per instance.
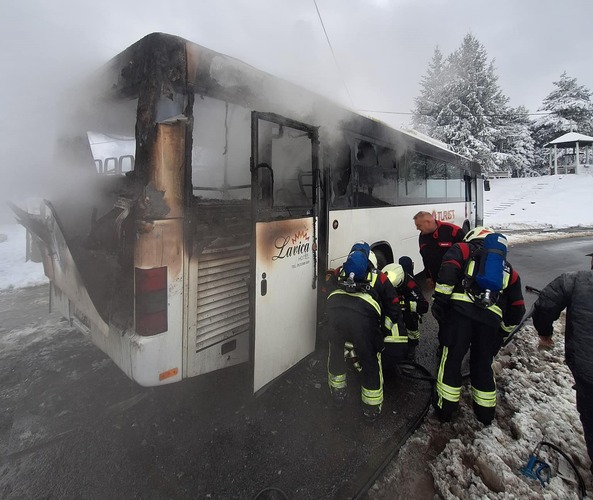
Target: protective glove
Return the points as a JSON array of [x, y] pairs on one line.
[[438, 310]]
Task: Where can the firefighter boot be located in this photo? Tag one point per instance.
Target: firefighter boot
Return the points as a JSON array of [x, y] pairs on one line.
[[339, 396], [371, 412]]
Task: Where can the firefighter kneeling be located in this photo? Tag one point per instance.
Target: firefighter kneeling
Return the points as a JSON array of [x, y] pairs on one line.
[[474, 318], [400, 344], [361, 296]]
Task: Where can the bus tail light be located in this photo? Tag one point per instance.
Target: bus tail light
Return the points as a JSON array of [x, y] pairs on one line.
[[151, 301], [168, 374]]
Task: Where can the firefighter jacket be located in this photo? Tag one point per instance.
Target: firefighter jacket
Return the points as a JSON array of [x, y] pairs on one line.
[[381, 298], [573, 291], [450, 291], [435, 245]]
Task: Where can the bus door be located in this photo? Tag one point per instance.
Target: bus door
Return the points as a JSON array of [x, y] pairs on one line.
[[284, 177], [470, 199]]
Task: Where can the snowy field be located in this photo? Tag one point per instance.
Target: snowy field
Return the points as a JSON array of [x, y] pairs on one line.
[[463, 459], [551, 202]]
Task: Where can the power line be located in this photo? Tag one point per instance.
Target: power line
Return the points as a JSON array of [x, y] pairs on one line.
[[333, 54], [423, 114]]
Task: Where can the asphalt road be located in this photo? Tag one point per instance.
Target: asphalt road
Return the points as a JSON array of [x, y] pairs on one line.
[[541, 262], [73, 426]]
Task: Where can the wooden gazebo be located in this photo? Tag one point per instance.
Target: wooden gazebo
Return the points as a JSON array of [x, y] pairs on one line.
[[571, 154]]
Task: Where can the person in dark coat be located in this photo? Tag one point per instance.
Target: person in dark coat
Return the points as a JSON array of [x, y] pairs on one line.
[[468, 324], [572, 291], [356, 317], [435, 239]]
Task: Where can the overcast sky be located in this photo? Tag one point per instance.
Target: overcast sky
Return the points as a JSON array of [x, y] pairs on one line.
[[382, 48]]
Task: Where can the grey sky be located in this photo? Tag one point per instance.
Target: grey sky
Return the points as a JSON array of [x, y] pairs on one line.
[[382, 48]]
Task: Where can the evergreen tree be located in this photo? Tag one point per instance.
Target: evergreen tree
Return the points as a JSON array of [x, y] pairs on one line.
[[427, 104], [462, 105], [514, 146], [474, 101], [567, 108]]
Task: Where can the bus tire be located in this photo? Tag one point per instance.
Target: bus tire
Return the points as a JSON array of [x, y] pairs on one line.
[[381, 259]]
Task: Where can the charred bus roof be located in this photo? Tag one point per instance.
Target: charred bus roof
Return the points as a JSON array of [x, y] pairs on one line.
[[161, 67]]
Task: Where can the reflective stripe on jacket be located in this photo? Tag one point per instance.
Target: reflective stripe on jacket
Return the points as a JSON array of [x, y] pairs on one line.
[[366, 296]]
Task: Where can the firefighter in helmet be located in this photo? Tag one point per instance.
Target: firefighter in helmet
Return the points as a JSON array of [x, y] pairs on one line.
[[414, 305], [354, 314], [470, 322]]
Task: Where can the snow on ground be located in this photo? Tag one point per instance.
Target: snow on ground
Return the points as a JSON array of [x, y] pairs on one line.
[[14, 271], [550, 202], [463, 459]]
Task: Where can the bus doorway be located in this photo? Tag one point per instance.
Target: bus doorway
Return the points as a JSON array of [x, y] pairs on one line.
[[284, 170]]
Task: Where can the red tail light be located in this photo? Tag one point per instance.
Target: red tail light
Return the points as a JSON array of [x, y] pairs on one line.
[[151, 301]]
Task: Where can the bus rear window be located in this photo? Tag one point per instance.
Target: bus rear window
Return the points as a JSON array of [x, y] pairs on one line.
[[113, 155]]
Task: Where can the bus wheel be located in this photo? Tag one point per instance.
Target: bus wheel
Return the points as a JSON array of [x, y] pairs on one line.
[[381, 259], [466, 227]]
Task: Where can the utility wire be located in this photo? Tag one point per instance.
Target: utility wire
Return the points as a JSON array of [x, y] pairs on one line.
[[424, 114], [333, 54]]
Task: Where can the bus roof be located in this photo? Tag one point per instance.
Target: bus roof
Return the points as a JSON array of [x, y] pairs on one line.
[[172, 65]]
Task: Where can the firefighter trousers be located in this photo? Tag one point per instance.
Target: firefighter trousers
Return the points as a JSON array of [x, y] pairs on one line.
[[365, 334], [459, 333]]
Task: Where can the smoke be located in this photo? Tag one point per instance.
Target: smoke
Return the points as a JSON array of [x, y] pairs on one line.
[[379, 52]]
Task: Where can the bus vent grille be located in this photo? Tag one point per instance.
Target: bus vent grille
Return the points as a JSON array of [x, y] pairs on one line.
[[223, 295]]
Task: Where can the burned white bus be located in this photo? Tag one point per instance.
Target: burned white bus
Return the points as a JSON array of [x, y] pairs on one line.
[[205, 199]]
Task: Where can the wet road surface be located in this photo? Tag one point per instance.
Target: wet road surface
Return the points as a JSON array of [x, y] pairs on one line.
[[73, 426]]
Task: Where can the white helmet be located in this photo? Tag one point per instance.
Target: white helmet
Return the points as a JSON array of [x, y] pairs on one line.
[[373, 259], [477, 233], [395, 273]]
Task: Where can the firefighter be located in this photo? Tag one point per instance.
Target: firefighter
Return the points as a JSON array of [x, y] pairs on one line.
[[435, 239], [354, 315], [466, 323], [413, 304]]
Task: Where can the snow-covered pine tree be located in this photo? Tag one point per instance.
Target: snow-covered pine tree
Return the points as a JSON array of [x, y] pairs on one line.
[[427, 104], [514, 148], [461, 104], [568, 108]]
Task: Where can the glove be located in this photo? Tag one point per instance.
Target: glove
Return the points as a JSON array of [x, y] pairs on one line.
[[439, 309]]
